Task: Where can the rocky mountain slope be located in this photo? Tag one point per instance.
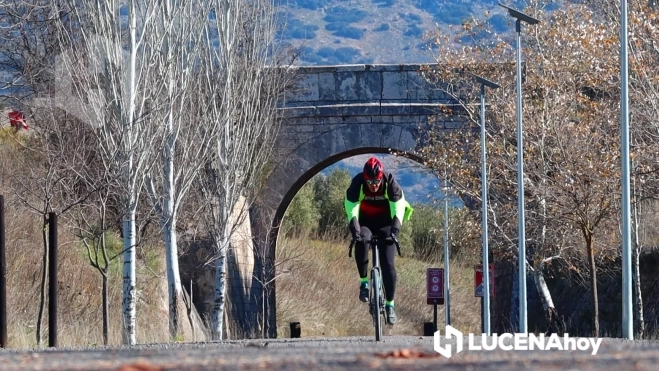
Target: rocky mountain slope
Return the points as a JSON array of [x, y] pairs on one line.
[[378, 31]]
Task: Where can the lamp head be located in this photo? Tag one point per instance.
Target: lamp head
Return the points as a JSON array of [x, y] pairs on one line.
[[519, 15]]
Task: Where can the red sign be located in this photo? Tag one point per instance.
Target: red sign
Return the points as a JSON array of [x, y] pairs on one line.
[[479, 288], [435, 286]]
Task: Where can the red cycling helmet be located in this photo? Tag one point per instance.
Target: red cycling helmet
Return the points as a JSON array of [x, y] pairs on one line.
[[373, 169]]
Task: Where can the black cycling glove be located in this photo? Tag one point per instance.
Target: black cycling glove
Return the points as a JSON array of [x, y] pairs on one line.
[[355, 229]]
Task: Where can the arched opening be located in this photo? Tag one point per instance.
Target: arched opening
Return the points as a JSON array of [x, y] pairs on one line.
[[288, 197], [320, 255]]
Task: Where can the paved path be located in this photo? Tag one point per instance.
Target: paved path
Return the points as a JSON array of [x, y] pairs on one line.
[[355, 353]]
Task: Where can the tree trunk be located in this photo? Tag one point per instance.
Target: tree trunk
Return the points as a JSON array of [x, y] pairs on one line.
[[44, 275], [189, 304], [169, 216], [638, 299], [106, 308], [104, 276], [220, 289], [551, 314], [593, 281], [129, 294], [173, 278], [636, 271]]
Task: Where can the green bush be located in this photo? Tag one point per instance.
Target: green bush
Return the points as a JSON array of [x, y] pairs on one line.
[[347, 55], [329, 194], [336, 26], [349, 32], [346, 15], [301, 218], [382, 27], [426, 232]]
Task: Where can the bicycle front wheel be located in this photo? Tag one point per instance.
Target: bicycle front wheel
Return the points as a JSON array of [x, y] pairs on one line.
[[376, 306]]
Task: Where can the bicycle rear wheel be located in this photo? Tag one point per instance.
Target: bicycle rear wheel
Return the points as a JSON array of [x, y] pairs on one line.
[[376, 308]]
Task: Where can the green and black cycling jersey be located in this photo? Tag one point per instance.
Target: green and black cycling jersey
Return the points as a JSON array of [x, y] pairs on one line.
[[386, 206]]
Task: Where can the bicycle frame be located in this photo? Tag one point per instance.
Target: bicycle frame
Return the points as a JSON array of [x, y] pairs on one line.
[[377, 293]]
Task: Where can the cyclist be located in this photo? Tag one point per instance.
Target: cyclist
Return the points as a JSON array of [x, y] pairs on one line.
[[375, 204]]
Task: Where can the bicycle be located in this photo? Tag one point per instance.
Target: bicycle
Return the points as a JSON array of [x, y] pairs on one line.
[[377, 293]]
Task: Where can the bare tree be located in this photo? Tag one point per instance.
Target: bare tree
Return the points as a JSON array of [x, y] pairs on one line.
[[108, 67], [643, 91], [93, 220], [92, 227], [183, 134], [28, 41], [571, 138], [243, 95]]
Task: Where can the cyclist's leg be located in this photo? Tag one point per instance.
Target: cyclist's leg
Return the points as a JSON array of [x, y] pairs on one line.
[[361, 259], [361, 252], [387, 253]]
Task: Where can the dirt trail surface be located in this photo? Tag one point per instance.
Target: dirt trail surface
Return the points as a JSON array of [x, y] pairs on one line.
[[355, 353]]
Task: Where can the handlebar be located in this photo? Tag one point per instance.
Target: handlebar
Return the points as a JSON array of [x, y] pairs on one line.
[[374, 239]]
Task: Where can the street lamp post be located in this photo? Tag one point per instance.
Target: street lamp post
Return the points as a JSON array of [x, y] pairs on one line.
[[486, 263], [521, 17], [447, 286]]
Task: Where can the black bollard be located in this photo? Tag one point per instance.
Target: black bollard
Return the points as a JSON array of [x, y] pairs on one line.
[[429, 329], [52, 280], [296, 329]]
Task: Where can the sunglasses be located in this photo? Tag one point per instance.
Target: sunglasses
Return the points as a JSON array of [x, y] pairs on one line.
[[373, 181]]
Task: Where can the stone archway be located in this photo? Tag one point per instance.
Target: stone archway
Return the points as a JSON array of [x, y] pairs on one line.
[[317, 168], [336, 112]]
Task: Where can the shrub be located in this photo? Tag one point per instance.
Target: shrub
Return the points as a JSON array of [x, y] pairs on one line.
[[413, 31], [452, 13], [309, 55], [329, 194], [301, 218], [410, 17], [302, 33], [426, 234], [325, 52], [346, 55], [346, 15], [295, 29], [350, 33], [382, 27], [336, 26]]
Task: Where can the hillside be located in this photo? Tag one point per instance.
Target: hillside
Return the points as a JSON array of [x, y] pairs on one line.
[[378, 31]]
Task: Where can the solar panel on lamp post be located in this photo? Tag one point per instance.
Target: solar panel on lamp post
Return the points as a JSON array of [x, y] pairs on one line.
[[521, 17], [486, 263]]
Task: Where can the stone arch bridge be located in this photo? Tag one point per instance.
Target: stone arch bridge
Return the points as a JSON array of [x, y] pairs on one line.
[[336, 112]]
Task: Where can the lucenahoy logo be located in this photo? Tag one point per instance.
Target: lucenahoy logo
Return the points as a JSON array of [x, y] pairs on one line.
[[516, 341]]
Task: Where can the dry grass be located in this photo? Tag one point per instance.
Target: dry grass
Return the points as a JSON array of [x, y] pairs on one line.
[[79, 294], [320, 291], [79, 285]]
